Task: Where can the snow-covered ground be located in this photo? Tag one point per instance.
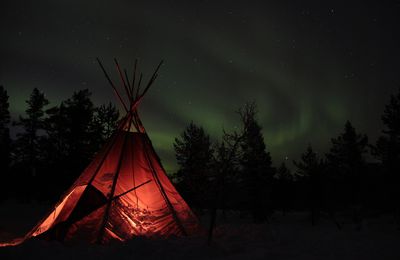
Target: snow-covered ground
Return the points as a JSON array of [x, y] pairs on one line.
[[285, 237]]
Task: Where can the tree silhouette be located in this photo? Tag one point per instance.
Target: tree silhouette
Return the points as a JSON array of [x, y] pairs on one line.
[[284, 187], [387, 150], [257, 171], [5, 140], [29, 143], [309, 168], [72, 136], [194, 156], [226, 169], [346, 163], [57, 129], [80, 111], [106, 120]]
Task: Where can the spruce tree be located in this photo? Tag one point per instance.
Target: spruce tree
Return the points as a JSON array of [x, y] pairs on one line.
[[284, 187], [30, 142], [346, 164], [194, 156], [256, 166], [309, 169], [5, 140], [80, 112], [105, 120], [387, 150], [57, 129], [72, 137]]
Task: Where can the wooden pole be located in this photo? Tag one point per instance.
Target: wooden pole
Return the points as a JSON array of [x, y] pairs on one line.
[[134, 188], [129, 86], [152, 79], [160, 187], [138, 86], [133, 78], [108, 207], [123, 80], [112, 85]]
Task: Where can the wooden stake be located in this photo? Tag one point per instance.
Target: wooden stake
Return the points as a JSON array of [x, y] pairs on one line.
[[122, 79], [152, 79], [112, 85]]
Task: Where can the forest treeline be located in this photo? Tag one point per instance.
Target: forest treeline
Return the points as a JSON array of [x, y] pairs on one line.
[[237, 172], [55, 143]]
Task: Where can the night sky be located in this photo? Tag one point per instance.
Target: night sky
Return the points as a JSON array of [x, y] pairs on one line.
[[308, 66]]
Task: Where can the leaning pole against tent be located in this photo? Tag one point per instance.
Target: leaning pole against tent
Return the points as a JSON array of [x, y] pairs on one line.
[[124, 192]]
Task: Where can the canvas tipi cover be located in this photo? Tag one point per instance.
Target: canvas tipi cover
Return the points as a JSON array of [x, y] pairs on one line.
[[123, 193]]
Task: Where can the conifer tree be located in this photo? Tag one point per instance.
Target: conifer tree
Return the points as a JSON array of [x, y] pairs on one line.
[[284, 187], [194, 156], [256, 165], [30, 142], [346, 164], [309, 168], [72, 137], [5, 140], [387, 150], [106, 120]]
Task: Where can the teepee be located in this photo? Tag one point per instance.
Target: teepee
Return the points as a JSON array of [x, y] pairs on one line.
[[124, 192]]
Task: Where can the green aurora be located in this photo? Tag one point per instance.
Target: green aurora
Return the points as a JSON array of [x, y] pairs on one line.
[[308, 67]]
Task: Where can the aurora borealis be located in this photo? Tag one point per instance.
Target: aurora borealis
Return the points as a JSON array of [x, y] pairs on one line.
[[309, 66]]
